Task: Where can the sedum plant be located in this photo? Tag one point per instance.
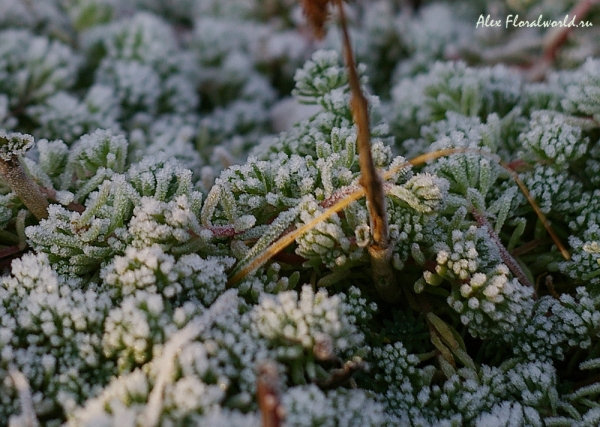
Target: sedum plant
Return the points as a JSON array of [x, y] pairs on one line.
[[173, 253]]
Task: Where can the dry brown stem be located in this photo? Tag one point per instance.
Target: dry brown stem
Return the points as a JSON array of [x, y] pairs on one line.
[[342, 375], [355, 193], [316, 14], [28, 191], [267, 391], [556, 37], [9, 250], [510, 262], [381, 249]]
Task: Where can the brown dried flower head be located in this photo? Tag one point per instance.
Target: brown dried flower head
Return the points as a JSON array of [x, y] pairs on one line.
[[316, 13]]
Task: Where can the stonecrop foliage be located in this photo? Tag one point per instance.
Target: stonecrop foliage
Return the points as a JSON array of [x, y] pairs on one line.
[[154, 155]]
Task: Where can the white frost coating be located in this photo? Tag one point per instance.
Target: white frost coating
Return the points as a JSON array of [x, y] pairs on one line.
[[27, 417], [166, 363], [64, 197]]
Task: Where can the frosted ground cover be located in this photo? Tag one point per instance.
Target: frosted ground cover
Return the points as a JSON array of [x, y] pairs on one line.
[[150, 151]]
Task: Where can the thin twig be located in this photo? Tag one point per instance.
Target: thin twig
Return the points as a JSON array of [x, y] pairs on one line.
[[556, 38], [342, 375], [550, 285], [370, 178], [510, 262], [529, 246], [9, 250], [268, 395], [359, 192], [380, 250], [316, 14]]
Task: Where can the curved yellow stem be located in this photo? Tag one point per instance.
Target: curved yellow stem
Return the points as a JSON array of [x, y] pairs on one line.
[[287, 239]]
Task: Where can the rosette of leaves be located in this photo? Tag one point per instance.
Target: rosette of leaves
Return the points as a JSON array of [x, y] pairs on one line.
[[310, 406], [470, 395], [582, 92], [133, 328], [140, 60], [225, 50], [293, 325], [488, 300], [552, 139], [66, 117], [559, 194], [150, 269], [179, 385], [412, 208], [394, 368], [329, 243], [323, 82], [556, 326], [233, 62], [92, 159], [78, 242], [51, 332], [33, 68], [265, 188], [584, 265], [452, 87], [436, 30]]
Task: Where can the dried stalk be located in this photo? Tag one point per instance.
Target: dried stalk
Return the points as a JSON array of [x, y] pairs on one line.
[[316, 14], [357, 193], [9, 250], [343, 375], [267, 391], [556, 37], [28, 191], [12, 146], [381, 249], [510, 262]]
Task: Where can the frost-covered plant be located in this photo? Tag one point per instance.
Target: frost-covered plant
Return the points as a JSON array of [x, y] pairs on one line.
[[488, 300], [52, 333], [551, 138], [582, 95], [34, 67], [309, 406], [160, 245]]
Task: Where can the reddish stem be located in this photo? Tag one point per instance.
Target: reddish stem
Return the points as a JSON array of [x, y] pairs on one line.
[[510, 262], [9, 250], [224, 230], [557, 37], [267, 391], [50, 193]]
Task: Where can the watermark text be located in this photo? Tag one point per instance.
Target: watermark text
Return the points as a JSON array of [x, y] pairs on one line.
[[513, 21]]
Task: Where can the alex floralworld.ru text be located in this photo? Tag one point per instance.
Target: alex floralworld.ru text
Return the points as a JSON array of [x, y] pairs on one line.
[[514, 21]]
